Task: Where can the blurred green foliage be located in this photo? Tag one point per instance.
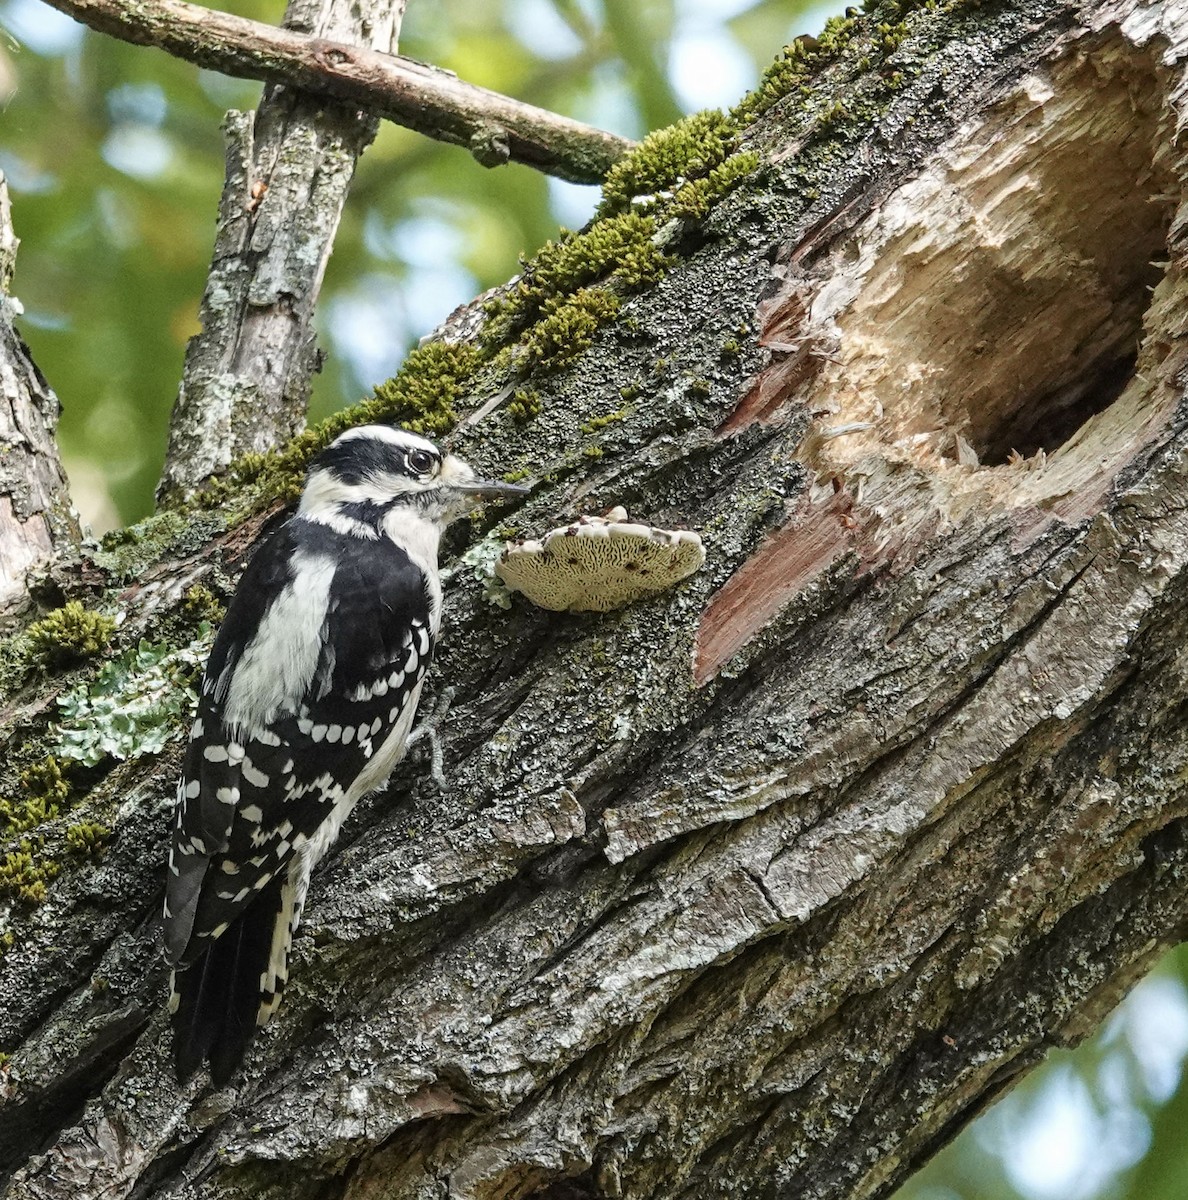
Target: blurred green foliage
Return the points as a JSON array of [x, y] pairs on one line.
[[114, 159]]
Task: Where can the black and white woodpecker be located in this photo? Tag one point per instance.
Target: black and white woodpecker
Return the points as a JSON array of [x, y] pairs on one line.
[[306, 705]]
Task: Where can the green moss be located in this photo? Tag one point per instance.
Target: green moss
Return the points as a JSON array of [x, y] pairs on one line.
[[631, 391], [44, 793], [567, 329], [25, 814], [87, 838], [516, 475], [667, 157], [201, 604], [618, 250], [26, 876], [593, 452], [422, 394], [596, 423], [693, 200], [524, 406], [729, 348], [70, 634]]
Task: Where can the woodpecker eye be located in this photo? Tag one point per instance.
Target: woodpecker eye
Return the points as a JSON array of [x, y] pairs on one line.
[[421, 461]]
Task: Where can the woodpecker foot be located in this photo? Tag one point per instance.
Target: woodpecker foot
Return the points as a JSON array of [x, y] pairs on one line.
[[426, 731]]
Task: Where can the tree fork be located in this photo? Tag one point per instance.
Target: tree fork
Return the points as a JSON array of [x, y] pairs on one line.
[[767, 886]]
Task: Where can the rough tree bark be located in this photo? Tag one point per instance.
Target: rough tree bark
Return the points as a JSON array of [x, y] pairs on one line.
[[36, 518], [767, 886]]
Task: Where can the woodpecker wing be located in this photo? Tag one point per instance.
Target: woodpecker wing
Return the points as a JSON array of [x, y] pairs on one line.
[[260, 801]]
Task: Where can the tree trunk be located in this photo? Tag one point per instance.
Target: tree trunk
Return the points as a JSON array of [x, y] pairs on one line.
[[767, 886]]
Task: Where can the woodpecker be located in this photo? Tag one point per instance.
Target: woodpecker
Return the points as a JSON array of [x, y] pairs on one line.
[[306, 705]]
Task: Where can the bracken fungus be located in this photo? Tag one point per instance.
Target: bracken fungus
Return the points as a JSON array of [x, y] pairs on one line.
[[599, 563]]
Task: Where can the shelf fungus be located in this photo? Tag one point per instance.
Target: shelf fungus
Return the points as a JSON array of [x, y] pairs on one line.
[[599, 563]]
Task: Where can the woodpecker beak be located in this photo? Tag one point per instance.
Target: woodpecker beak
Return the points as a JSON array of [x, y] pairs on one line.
[[490, 489], [459, 477]]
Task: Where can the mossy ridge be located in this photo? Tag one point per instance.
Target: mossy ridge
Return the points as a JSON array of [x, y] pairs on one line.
[[571, 288], [126, 554], [619, 250]]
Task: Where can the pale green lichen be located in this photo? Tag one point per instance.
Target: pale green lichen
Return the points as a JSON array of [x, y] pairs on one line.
[[480, 559], [134, 705], [69, 635]]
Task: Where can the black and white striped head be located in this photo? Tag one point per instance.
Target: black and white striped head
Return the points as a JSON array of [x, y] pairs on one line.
[[369, 472]]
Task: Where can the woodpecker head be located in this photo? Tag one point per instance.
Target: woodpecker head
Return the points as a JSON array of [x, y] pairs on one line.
[[372, 471]]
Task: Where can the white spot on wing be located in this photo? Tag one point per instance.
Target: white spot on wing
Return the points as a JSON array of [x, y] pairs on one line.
[[255, 777]]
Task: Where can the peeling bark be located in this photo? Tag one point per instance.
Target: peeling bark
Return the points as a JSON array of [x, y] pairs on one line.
[[767, 886], [36, 517], [247, 376]]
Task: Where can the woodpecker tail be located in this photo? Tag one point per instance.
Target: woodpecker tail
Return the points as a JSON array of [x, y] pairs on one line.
[[220, 999]]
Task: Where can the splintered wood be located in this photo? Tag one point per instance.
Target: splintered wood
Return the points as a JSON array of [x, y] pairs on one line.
[[994, 334]]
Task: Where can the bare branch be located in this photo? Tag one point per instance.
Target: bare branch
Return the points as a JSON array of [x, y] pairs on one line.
[[496, 128]]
